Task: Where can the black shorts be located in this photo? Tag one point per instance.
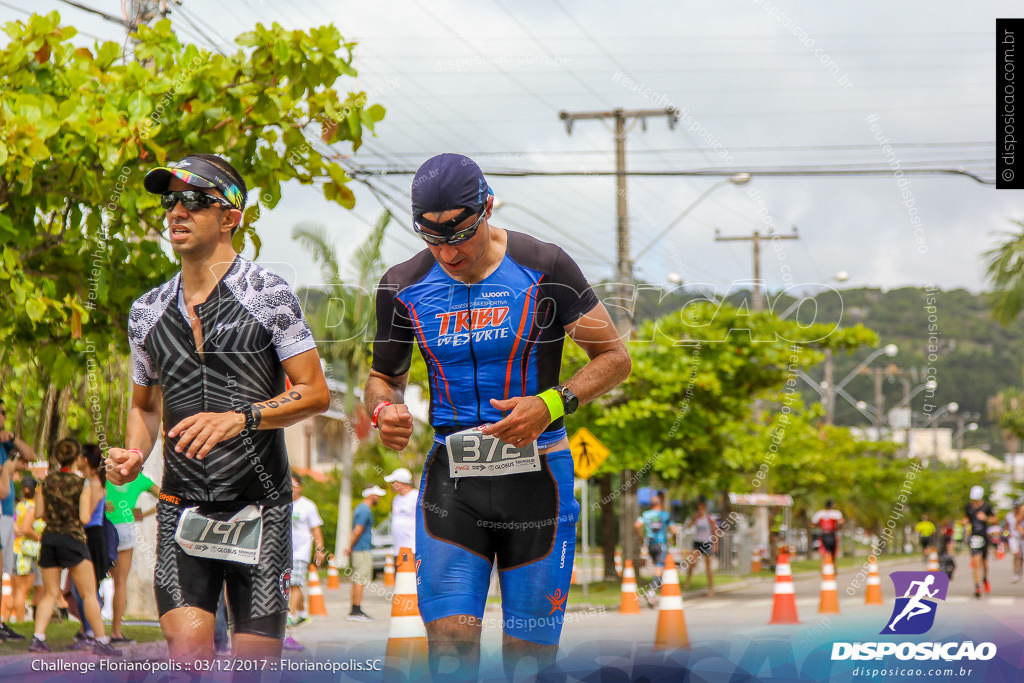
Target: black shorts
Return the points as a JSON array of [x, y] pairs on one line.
[[925, 542], [257, 594], [60, 550], [656, 551], [703, 547], [982, 550], [828, 543]]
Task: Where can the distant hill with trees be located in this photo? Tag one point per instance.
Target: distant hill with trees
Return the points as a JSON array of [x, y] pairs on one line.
[[950, 335]]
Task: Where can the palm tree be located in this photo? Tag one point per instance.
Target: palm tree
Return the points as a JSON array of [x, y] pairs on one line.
[[1005, 271], [342, 337]]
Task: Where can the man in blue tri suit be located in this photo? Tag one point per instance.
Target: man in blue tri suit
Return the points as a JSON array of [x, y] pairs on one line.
[[489, 309], [211, 350]]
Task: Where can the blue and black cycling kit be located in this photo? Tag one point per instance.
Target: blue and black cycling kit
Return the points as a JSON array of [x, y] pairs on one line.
[[495, 339]]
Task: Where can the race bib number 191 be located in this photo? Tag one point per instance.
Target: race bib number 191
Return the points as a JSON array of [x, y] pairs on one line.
[[474, 454], [222, 536]]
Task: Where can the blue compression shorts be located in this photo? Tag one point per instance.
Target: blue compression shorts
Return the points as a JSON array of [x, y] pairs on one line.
[[526, 522]]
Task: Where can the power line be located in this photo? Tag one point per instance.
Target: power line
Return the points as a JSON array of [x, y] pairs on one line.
[[90, 10], [717, 173]]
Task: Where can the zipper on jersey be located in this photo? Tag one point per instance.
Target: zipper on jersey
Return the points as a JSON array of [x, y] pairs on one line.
[[472, 354], [202, 377]]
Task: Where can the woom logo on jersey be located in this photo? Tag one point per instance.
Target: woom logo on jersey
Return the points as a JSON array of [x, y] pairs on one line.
[[914, 614]]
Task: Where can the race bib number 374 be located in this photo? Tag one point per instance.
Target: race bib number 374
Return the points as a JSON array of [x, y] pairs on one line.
[[474, 454]]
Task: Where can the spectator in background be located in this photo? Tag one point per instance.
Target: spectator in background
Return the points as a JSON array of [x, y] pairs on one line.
[[63, 500], [123, 512], [26, 552], [403, 509], [359, 549], [829, 521], [306, 529], [10, 446], [92, 469]]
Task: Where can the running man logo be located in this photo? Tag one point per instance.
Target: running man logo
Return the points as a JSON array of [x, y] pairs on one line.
[[557, 600], [914, 613]]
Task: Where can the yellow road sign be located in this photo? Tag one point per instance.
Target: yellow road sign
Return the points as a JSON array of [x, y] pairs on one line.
[[587, 452]]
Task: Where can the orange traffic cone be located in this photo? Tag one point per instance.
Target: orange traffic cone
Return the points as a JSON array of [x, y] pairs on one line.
[[1000, 553], [755, 561], [574, 581], [784, 606], [389, 571], [407, 636], [829, 603], [630, 602], [618, 563], [317, 607], [5, 594], [933, 562], [873, 592], [671, 631], [333, 579]]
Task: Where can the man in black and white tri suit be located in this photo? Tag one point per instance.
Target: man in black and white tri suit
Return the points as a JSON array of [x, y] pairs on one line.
[[211, 350]]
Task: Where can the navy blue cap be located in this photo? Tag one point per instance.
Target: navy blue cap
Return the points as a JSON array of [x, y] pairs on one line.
[[447, 182]]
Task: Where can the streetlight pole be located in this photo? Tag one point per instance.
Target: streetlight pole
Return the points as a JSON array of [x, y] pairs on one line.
[[831, 389], [933, 422], [737, 179]]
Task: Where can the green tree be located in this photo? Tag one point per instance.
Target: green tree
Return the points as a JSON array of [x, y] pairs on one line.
[[341, 314], [79, 128], [1005, 271], [684, 415]]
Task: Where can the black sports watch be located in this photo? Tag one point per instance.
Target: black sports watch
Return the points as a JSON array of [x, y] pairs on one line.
[[569, 401], [252, 420]]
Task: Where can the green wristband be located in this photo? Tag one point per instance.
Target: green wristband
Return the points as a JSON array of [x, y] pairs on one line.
[[553, 400]]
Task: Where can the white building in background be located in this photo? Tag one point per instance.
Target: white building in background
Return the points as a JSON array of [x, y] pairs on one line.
[[930, 444]]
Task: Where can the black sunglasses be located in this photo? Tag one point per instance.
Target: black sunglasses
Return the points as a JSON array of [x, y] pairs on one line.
[[192, 200], [458, 237]]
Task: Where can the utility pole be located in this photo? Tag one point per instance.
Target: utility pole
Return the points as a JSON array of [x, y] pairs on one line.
[[758, 304], [623, 315]]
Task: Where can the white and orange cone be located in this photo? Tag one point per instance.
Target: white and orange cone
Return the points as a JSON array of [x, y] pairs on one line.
[[755, 561], [671, 631], [829, 603], [618, 563], [933, 562], [407, 636], [873, 592], [389, 571], [784, 604], [630, 602], [333, 578], [317, 606], [574, 581], [5, 594]]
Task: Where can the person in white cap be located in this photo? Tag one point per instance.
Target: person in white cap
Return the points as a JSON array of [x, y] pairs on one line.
[[403, 509], [359, 550], [977, 516]]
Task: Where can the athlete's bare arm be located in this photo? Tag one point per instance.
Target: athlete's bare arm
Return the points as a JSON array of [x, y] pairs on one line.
[[309, 395], [609, 366], [393, 421], [144, 417]]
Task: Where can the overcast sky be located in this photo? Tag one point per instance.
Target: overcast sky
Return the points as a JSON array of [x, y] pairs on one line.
[[764, 86]]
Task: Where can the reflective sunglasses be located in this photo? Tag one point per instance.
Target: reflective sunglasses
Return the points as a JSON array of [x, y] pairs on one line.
[[192, 200], [458, 237]]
